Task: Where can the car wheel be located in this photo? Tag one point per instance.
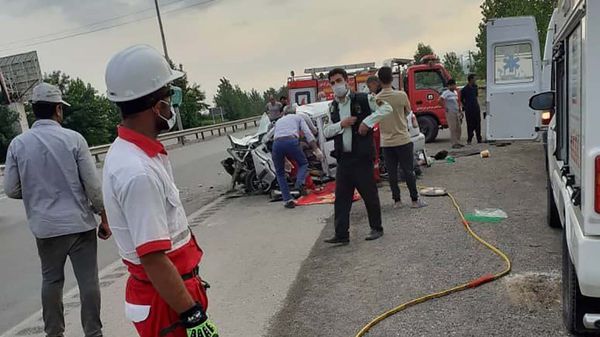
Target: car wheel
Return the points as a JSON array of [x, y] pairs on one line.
[[575, 304], [253, 184], [429, 127]]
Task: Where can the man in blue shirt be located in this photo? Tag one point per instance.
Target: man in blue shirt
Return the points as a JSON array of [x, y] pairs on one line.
[[52, 170]]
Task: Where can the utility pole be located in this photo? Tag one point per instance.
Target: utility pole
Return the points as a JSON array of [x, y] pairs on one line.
[[162, 32]]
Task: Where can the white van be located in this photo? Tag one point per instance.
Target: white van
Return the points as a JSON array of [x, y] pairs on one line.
[[573, 153]]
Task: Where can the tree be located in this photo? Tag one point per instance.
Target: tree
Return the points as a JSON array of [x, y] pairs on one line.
[[422, 50], [454, 66], [238, 103], [193, 100], [8, 121], [277, 93], [90, 114], [540, 9]]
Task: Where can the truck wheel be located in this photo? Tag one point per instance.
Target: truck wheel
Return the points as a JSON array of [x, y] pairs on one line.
[[429, 127], [575, 304], [553, 217]]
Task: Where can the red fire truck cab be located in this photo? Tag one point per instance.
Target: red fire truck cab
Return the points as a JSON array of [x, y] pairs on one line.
[[423, 82]]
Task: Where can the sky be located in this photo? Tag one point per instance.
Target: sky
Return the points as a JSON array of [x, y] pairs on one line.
[[254, 43]]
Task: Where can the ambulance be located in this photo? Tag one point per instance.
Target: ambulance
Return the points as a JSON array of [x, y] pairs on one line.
[[568, 76]]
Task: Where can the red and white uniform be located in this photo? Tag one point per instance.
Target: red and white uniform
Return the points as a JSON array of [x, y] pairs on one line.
[[146, 216]]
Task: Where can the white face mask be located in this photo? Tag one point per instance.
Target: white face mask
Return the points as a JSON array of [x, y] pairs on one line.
[[170, 121], [340, 90]]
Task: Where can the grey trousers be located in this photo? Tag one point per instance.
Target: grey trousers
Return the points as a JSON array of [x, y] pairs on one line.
[[455, 124], [81, 248]]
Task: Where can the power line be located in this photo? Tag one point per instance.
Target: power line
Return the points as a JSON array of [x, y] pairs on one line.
[[76, 29], [94, 30]]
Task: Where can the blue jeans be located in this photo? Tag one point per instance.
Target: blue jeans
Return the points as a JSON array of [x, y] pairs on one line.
[[289, 148]]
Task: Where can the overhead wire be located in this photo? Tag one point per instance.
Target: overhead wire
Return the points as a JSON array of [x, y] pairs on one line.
[[87, 26], [90, 31]]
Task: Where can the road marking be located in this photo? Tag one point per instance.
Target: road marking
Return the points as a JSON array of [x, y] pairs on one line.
[[108, 275]]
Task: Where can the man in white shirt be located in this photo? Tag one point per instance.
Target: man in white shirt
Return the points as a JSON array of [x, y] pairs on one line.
[[449, 99], [165, 295], [352, 117]]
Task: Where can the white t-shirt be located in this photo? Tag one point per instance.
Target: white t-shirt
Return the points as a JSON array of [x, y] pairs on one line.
[[451, 99]]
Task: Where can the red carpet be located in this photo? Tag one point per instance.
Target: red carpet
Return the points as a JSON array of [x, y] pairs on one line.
[[325, 196]]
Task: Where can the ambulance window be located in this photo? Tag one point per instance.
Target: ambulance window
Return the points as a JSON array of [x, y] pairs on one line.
[[574, 90], [429, 80], [513, 64]]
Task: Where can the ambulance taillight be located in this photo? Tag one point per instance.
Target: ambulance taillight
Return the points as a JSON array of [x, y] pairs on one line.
[[546, 117], [597, 186]]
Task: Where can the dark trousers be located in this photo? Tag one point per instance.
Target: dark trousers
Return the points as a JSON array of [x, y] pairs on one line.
[[402, 156], [289, 148], [81, 248], [473, 125], [355, 173]]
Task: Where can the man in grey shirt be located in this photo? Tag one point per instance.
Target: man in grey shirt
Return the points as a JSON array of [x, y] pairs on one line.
[[274, 109], [52, 170]]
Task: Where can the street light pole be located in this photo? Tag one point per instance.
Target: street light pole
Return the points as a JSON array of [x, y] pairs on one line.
[[162, 32]]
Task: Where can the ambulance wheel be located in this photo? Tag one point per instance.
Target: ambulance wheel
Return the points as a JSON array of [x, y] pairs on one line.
[[553, 217], [575, 304], [429, 127]]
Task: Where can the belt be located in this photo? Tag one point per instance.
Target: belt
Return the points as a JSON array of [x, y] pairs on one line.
[[286, 138], [194, 273]]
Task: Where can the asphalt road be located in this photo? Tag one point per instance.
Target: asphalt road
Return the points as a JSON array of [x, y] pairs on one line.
[[340, 289], [198, 174]]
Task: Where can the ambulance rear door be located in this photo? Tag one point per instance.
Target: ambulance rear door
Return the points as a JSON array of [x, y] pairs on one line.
[[513, 76]]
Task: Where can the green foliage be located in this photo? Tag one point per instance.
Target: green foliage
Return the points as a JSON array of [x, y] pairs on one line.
[[453, 64], [238, 103], [422, 50], [90, 114], [193, 101], [540, 9], [8, 122]]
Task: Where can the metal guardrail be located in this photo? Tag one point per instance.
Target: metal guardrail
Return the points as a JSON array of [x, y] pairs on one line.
[[199, 132]]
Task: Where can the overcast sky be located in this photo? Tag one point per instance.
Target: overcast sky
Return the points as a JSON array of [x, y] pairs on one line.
[[254, 43]]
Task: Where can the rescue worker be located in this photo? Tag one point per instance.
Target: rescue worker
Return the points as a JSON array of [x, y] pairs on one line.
[[469, 97], [352, 117], [449, 100], [398, 148], [165, 295], [286, 134], [273, 109], [52, 170]]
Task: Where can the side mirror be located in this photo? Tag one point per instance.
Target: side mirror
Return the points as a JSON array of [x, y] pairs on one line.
[[543, 101]]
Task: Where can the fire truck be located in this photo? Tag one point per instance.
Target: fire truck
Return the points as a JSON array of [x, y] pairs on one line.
[[422, 81]]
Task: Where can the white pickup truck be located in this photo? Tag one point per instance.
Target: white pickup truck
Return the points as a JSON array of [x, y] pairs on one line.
[[569, 82]]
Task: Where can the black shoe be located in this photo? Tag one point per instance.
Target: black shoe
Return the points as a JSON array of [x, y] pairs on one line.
[[336, 240], [289, 204], [374, 235]]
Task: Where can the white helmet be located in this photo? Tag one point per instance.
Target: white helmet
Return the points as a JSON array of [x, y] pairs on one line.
[[136, 72]]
